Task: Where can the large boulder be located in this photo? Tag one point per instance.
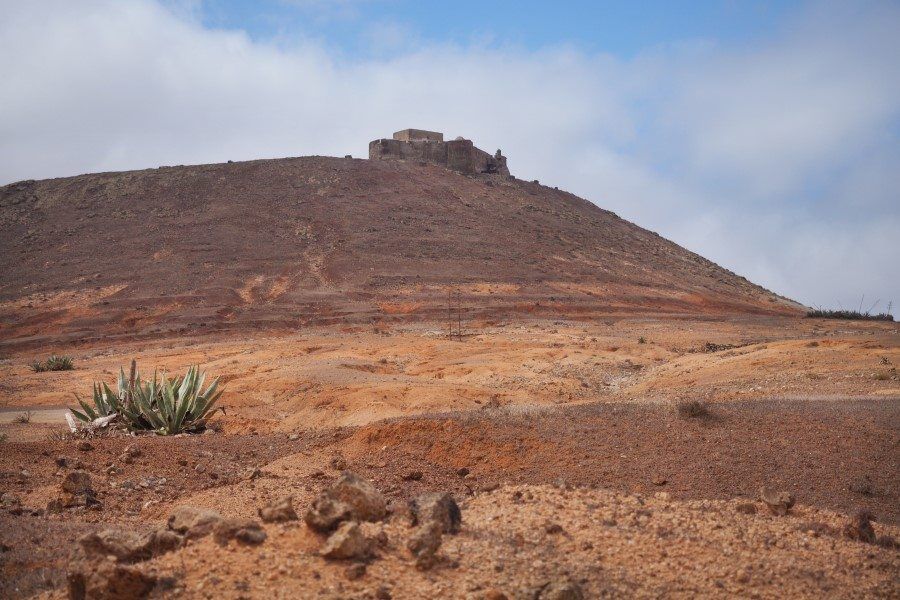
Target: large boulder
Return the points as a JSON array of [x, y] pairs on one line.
[[349, 498], [194, 522], [77, 490], [860, 528], [108, 580], [243, 531], [348, 542], [439, 507], [562, 590], [424, 543], [129, 547], [279, 511], [780, 503]]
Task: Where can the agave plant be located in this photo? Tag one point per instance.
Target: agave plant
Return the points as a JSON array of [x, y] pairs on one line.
[[159, 404], [54, 363], [172, 406]]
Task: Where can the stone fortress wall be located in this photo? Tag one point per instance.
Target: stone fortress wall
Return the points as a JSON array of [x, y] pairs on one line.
[[459, 154]]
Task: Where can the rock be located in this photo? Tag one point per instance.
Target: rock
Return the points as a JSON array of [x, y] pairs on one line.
[[349, 498], [77, 490], [104, 579], [659, 480], [412, 476], [424, 543], [778, 502], [62, 462], [553, 528], [383, 593], [244, 531], [85, 446], [294, 437], [860, 527], [440, 507], [561, 590], [746, 508], [355, 572], [193, 522], [129, 547], [347, 542], [338, 463], [325, 514], [279, 511], [862, 486], [462, 472]]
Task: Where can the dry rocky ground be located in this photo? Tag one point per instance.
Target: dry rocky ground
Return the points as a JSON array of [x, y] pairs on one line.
[[560, 442]]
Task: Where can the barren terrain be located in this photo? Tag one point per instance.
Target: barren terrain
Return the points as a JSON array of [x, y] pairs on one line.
[[318, 289]]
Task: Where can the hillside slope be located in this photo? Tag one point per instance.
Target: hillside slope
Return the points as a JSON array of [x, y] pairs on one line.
[[289, 242]]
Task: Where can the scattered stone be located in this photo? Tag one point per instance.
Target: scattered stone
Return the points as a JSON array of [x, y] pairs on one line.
[[383, 593], [561, 590], [85, 446], [778, 502], [279, 511], [861, 486], [553, 528], [77, 491], [746, 508], [104, 579], [347, 542], [860, 527], [412, 476], [193, 522], [129, 547], [354, 572], [424, 543], [349, 498], [816, 529], [325, 514], [440, 507], [244, 531]]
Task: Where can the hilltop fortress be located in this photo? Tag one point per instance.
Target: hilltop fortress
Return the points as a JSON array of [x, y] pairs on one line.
[[459, 154]]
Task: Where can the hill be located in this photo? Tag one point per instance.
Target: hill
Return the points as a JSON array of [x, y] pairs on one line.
[[291, 242]]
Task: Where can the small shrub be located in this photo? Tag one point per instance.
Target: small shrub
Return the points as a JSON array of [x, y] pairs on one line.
[[54, 363], [641, 340], [692, 409], [23, 418], [711, 347], [159, 404], [848, 315]]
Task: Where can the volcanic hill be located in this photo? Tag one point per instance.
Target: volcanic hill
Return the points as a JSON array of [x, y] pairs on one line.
[[271, 244]]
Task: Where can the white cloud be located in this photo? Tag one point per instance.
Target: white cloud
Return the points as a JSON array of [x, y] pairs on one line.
[[778, 159]]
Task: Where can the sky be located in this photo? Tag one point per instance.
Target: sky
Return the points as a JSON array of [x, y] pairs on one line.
[[764, 136]]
